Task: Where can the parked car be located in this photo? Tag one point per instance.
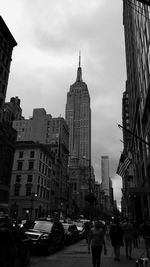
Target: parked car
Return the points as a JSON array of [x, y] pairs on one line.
[[71, 233], [47, 236], [15, 246]]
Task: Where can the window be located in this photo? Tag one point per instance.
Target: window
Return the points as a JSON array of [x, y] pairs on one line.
[[32, 154], [40, 166], [16, 189], [29, 180], [28, 190], [31, 165], [20, 165], [20, 154], [18, 178]]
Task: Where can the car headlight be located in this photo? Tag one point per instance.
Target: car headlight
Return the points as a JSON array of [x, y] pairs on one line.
[[45, 236]]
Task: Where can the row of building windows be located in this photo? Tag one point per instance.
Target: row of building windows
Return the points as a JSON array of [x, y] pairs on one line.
[[21, 154], [44, 169], [41, 191], [20, 165], [45, 159], [41, 180], [29, 178]]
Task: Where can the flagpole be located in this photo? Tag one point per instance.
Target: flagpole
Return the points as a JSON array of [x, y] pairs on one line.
[[142, 140]]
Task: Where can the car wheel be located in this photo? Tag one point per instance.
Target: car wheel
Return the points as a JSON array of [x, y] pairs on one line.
[[50, 249]]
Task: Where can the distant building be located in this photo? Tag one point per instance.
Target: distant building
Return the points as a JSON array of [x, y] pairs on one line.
[[44, 129], [12, 110], [78, 118], [105, 174], [7, 134], [37, 128]]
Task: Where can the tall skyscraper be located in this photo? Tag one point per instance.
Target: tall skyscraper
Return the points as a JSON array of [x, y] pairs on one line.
[[78, 118], [105, 174]]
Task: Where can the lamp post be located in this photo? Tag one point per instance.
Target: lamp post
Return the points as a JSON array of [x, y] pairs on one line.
[[33, 195]]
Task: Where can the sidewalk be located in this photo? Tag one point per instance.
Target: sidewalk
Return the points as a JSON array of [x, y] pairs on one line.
[[108, 260]]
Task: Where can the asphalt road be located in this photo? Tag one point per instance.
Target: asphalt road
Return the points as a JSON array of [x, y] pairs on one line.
[[77, 256]]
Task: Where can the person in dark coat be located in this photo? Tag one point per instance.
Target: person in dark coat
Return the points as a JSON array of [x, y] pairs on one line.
[[116, 237], [96, 242]]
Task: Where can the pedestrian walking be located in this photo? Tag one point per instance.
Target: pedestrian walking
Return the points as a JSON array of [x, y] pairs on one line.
[[135, 235], [96, 243], [87, 228], [128, 231], [116, 237]]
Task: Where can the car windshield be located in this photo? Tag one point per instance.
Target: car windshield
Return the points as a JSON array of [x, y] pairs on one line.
[[43, 226]]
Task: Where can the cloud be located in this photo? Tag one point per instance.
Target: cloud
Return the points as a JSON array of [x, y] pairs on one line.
[[49, 35]]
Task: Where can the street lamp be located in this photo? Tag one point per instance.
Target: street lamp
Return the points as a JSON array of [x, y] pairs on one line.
[[33, 195]]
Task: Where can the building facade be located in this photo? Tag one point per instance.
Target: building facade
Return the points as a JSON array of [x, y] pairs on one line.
[[36, 128], [7, 43], [7, 134], [34, 184], [53, 132], [136, 118]]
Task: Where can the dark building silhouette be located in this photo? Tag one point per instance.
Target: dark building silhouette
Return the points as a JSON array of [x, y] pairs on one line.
[[12, 110], [136, 111], [7, 133]]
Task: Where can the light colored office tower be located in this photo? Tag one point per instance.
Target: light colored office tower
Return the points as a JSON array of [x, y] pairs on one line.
[[105, 174]]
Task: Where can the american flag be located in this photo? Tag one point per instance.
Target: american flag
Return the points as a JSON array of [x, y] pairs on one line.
[[124, 163]]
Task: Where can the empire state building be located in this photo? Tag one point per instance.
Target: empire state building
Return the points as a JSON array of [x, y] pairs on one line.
[[78, 118]]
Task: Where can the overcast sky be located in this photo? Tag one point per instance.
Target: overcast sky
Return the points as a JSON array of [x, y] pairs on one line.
[[50, 34]]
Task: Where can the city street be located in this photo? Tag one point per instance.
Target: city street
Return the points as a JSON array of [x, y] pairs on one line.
[[77, 256]]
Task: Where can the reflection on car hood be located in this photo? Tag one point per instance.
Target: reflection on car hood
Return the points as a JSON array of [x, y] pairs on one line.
[[35, 234], [80, 228]]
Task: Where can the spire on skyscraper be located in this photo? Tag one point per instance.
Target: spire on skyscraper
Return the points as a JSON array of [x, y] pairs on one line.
[[79, 70]]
